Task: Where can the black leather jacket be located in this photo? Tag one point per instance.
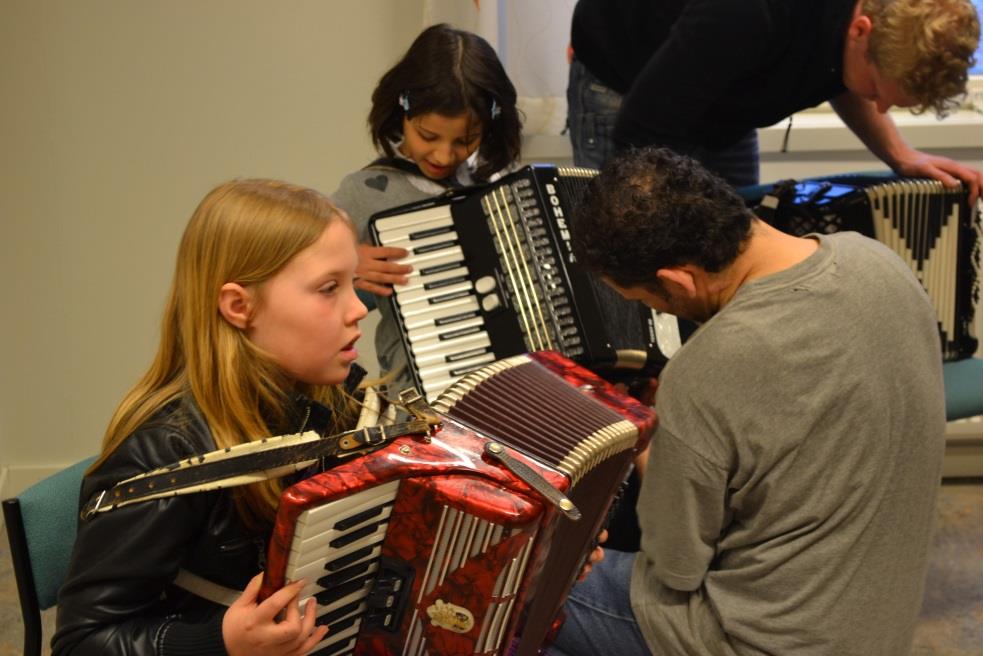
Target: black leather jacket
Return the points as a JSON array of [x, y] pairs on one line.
[[118, 597]]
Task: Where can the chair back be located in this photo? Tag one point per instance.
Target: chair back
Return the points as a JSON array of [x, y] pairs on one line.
[[41, 524]]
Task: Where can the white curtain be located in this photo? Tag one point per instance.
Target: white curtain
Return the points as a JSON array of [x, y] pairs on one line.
[[531, 38]]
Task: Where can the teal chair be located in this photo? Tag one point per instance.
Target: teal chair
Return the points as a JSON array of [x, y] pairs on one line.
[[963, 388], [41, 524]]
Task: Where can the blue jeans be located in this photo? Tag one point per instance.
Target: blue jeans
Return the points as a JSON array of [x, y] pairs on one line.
[[592, 109], [599, 619]]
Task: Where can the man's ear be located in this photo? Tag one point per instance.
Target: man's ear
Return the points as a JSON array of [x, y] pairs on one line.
[[235, 303], [677, 281]]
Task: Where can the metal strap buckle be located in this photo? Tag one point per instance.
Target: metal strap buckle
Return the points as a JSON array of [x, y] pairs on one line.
[[92, 508]]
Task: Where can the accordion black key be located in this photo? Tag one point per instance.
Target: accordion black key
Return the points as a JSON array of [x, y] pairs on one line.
[[932, 228]]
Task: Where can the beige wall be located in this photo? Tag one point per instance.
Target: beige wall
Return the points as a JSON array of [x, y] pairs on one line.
[[116, 117]]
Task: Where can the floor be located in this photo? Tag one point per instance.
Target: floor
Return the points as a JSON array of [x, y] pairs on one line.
[[951, 622]]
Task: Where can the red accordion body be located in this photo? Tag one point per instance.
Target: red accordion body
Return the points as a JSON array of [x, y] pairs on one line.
[[430, 547]]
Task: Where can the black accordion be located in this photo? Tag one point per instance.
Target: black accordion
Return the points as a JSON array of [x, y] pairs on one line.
[[494, 277], [932, 228]]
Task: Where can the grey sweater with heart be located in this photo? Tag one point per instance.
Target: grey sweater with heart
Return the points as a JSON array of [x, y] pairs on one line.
[[362, 194]]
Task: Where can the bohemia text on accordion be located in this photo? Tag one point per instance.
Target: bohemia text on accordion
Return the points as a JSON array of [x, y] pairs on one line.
[[494, 276], [933, 229], [433, 547]]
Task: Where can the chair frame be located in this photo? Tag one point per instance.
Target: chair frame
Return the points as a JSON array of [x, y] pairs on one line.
[[20, 555]]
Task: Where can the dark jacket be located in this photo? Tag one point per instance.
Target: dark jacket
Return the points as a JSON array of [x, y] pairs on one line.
[[118, 597], [706, 72]]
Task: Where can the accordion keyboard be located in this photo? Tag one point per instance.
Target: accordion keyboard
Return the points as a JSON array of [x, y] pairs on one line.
[[439, 304], [337, 549]]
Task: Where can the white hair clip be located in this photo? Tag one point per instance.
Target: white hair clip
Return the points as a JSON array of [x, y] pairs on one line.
[[404, 101], [496, 111]]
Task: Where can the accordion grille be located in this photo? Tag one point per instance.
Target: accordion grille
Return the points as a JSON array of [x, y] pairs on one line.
[[459, 537]]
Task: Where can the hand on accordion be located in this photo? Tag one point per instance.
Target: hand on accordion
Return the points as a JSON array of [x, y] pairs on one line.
[[250, 627], [641, 389], [376, 271], [596, 556]]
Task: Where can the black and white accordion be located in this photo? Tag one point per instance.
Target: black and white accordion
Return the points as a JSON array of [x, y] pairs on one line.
[[494, 277], [932, 228]]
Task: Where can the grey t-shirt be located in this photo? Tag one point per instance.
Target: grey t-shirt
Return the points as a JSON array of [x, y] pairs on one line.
[[790, 492]]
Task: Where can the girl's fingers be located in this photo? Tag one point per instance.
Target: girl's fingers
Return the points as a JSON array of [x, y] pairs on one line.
[[277, 601], [316, 637], [387, 278], [378, 290], [310, 614], [292, 613], [382, 252], [380, 267]]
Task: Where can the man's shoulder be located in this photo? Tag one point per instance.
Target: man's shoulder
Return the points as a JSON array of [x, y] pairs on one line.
[[727, 342], [851, 249]]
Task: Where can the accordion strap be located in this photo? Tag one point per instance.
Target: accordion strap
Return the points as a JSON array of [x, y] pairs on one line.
[[206, 589], [252, 462]]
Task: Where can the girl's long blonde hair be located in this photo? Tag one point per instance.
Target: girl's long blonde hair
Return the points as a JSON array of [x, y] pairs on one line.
[[244, 231]]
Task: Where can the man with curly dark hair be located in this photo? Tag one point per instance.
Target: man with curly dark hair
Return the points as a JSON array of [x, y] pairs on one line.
[[699, 76], [788, 494]]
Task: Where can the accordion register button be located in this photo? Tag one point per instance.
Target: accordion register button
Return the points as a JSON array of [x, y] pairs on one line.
[[490, 302], [485, 284]]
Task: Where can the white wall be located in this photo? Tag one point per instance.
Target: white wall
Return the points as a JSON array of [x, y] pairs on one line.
[[117, 117]]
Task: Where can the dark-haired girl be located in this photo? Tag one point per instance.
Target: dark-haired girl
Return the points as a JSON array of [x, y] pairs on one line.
[[445, 115]]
